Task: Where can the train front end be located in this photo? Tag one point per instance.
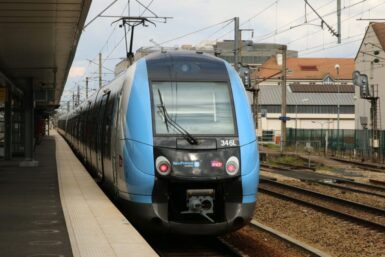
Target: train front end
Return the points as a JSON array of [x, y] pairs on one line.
[[193, 168]]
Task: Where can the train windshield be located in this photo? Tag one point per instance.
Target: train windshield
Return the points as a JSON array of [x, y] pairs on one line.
[[201, 108]]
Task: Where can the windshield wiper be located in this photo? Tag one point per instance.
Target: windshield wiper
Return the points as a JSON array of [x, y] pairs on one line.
[[168, 120], [163, 109]]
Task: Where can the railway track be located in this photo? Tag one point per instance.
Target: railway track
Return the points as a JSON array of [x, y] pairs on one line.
[[354, 188], [304, 175], [361, 165], [174, 246], [377, 182], [296, 167], [359, 213], [374, 188], [303, 247]]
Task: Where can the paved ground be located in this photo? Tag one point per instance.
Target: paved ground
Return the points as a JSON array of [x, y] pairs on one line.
[[31, 217]]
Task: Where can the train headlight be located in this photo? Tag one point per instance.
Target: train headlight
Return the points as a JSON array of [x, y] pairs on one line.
[[232, 166], [163, 166]]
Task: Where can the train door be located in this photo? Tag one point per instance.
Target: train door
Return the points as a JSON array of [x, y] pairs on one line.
[[100, 131]]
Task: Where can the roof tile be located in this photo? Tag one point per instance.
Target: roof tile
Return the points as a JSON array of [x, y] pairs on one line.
[[324, 67]]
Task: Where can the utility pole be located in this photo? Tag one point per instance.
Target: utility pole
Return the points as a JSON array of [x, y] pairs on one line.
[[255, 104], [337, 67], [86, 87], [73, 100], [283, 107], [339, 21], [236, 43], [78, 96], [100, 70], [68, 106]]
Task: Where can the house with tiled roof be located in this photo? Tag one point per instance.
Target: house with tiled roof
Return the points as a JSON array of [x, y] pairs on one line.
[[370, 60], [316, 89]]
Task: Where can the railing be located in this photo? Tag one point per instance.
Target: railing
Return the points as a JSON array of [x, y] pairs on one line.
[[355, 144]]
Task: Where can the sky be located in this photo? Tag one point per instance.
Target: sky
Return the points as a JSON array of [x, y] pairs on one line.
[[198, 22]]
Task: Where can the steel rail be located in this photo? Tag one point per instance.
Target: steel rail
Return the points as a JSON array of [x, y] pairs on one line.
[[358, 206], [374, 187], [292, 241], [366, 166], [356, 219], [336, 185]]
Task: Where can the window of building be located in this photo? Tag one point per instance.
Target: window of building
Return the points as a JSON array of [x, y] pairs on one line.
[[308, 68], [328, 80], [324, 109]]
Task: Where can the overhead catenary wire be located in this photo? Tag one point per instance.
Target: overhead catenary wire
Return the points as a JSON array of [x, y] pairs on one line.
[[359, 35], [123, 37], [287, 25], [307, 51], [259, 13], [275, 33], [333, 45], [194, 32], [253, 17], [330, 43], [271, 34], [346, 19], [127, 7]]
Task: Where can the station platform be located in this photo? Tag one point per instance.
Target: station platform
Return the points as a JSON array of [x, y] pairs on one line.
[[56, 209]]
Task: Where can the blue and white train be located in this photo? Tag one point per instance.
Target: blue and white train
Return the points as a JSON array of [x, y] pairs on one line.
[[173, 139]]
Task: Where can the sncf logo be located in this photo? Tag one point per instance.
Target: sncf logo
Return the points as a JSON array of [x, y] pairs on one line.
[[216, 164]]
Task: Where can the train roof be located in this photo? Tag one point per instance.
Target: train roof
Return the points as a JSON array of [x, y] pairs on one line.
[[185, 66], [188, 55]]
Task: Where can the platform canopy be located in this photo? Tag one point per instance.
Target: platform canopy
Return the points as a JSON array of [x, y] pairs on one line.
[[38, 40]]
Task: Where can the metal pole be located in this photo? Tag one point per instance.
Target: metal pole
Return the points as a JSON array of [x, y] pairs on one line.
[[130, 55], [255, 106], [100, 70], [236, 43], [78, 95], [327, 138], [73, 100], [86, 87], [283, 107], [337, 67], [339, 20], [296, 126]]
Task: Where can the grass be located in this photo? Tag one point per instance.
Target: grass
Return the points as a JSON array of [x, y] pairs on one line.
[[291, 160], [272, 146]]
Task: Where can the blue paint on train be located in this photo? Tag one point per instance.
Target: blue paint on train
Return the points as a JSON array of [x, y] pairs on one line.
[[138, 116], [249, 164], [247, 138], [136, 168], [138, 147], [246, 129]]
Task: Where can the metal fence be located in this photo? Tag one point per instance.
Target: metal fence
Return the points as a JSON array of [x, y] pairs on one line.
[[347, 142]]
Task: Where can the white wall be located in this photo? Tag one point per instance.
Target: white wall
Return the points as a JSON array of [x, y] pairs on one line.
[[305, 121]]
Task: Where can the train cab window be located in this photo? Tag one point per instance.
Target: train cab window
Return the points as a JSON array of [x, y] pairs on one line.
[[201, 108]]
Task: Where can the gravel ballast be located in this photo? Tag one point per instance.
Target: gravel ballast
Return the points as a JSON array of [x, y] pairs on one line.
[[327, 233]]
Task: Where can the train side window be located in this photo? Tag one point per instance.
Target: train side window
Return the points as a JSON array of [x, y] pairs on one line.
[[107, 125]]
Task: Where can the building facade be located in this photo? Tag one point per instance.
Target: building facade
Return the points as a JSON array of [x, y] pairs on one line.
[[370, 60], [320, 94], [254, 54]]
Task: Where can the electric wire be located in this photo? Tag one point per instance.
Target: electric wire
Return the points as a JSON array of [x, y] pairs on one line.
[[248, 20], [344, 20]]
